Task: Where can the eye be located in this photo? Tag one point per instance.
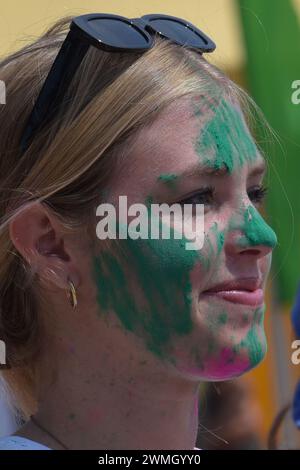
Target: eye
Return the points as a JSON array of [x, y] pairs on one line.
[[258, 194], [203, 196]]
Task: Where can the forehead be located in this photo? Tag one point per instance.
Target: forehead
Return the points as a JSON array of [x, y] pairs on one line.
[[169, 143]]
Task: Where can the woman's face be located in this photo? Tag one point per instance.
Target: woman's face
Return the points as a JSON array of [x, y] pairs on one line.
[[157, 288]]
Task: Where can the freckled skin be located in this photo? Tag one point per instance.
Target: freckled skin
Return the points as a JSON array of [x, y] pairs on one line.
[[154, 286]]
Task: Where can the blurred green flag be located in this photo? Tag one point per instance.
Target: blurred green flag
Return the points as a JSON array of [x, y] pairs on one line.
[[272, 38]]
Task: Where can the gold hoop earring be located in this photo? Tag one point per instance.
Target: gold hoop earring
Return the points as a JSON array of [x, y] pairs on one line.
[[72, 294]]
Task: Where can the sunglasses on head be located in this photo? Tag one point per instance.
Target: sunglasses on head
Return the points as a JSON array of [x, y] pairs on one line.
[[112, 33]]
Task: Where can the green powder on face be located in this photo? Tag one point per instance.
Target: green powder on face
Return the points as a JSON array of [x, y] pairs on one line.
[[256, 230], [255, 349], [255, 345], [213, 347], [245, 317], [215, 321], [222, 318], [160, 270], [168, 178], [227, 137], [211, 251], [149, 201], [112, 286], [220, 237]]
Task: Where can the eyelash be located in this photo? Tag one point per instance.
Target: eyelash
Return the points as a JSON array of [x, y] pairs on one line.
[[208, 190], [257, 195]]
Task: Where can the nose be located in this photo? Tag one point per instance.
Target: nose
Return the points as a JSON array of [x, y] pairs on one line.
[[250, 235]]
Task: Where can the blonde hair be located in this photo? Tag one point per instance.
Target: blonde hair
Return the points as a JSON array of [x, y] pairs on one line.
[[111, 97]]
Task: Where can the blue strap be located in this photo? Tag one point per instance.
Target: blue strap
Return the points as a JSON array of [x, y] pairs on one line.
[[295, 316]]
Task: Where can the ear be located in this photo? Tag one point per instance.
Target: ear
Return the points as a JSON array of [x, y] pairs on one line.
[[42, 241]]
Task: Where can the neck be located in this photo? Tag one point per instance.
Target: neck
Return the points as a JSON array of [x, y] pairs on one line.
[[121, 402]]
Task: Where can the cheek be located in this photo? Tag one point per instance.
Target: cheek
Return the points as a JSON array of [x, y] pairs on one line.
[[146, 284], [210, 256], [152, 285]]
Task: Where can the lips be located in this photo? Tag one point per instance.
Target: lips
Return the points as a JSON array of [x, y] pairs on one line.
[[245, 291]]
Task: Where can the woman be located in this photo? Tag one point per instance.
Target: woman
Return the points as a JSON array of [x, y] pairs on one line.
[[118, 361]]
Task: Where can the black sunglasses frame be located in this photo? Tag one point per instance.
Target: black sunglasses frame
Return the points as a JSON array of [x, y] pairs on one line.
[[74, 48]]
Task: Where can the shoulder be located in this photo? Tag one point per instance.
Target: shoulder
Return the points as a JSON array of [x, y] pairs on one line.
[[20, 443]]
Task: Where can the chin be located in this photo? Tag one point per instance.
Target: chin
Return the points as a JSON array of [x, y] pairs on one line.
[[231, 362], [233, 354]]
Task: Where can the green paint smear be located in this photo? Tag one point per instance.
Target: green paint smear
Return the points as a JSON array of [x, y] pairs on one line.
[[252, 342], [149, 201], [257, 231], [161, 269], [227, 135], [222, 318], [168, 178]]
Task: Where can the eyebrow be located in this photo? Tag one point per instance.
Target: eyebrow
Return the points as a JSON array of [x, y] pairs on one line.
[[207, 170]]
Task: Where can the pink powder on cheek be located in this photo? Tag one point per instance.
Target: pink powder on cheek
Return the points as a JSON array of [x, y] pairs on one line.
[[226, 365]]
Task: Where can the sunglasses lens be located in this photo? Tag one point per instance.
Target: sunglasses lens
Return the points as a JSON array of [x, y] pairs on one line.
[[118, 33], [182, 34]]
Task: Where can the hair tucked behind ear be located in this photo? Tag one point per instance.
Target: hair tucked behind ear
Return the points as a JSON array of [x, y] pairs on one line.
[[111, 98]]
